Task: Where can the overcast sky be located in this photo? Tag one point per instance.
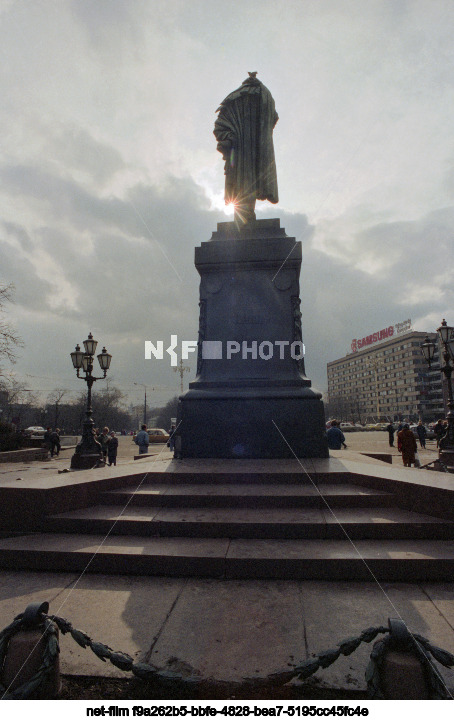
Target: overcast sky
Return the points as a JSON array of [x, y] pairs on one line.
[[109, 174]]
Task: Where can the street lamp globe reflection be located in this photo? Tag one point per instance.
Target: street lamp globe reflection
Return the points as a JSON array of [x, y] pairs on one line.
[[88, 453]]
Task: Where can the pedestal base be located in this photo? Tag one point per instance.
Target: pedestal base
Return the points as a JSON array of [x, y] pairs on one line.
[[251, 426], [446, 455], [85, 461], [251, 397]]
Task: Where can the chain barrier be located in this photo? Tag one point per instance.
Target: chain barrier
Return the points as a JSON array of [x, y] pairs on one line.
[[399, 638], [123, 661]]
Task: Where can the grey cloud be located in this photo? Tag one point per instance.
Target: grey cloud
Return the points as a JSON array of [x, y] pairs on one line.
[[19, 234], [166, 211], [31, 291], [425, 240], [111, 24], [68, 199], [74, 147], [340, 302], [127, 288]]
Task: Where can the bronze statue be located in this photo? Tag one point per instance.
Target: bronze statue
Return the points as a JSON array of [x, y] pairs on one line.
[[244, 131]]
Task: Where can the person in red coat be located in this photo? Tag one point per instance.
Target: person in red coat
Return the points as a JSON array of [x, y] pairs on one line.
[[407, 445]]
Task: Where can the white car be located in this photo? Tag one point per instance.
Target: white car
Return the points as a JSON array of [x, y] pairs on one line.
[[35, 430], [344, 426]]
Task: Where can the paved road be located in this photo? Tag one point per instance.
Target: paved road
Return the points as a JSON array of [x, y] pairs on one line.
[[374, 441]]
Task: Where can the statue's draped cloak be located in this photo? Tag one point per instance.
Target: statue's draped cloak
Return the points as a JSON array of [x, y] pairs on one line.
[[244, 131]]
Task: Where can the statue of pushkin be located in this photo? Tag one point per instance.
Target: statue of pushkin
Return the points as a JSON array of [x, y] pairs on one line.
[[244, 132]]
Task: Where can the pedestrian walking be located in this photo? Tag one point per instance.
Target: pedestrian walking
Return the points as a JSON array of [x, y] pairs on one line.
[[422, 433], [142, 439], [407, 445], [112, 448], [390, 429], [55, 443]]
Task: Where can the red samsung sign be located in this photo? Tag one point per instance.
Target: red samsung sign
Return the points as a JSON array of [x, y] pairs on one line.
[[359, 343]]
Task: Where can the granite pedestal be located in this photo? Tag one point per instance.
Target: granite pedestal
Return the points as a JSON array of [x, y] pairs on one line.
[[251, 397]]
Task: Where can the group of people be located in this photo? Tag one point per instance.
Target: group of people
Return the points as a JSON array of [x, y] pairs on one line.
[[406, 440], [109, 445], [420, 430]]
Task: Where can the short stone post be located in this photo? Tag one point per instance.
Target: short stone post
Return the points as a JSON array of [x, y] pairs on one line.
[[401, 670], [25, 654]]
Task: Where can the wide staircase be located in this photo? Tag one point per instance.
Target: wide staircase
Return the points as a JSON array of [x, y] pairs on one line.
[[240, 526]]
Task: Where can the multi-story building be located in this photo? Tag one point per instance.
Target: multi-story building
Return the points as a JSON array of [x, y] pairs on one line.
[[386, 377]]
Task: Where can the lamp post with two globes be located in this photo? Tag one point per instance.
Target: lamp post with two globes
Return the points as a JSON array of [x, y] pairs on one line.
[[446, 339], [88, 452]]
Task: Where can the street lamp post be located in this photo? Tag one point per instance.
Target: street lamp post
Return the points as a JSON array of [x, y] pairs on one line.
[[88, 453], [446, 338], [145, 401], [181, 369]]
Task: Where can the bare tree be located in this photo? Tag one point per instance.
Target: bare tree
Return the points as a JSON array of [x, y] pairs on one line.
[[108, 407], [15, 397], [9, 340], [54, 398]]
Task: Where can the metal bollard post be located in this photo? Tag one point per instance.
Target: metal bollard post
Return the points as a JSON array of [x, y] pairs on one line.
[[25, 652]]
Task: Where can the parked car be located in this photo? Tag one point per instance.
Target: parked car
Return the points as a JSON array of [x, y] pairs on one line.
[[158, 435], [35, 431], [345, 426]]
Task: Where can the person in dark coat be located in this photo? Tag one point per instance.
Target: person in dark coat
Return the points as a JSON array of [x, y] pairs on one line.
[[439, 431], [390, 429], [103, 439], [407, 445], [421, 431], [336, 438], [55, 442], [112, 448]]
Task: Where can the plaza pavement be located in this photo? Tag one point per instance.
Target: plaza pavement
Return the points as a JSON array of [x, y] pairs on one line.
[[226, 630]]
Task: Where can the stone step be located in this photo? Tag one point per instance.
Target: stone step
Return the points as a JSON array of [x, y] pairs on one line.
[[390, 560], [252, 522], [251, 495]]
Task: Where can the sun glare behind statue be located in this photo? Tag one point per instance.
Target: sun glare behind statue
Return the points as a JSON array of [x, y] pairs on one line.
[[229, 209], [218, 203]]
